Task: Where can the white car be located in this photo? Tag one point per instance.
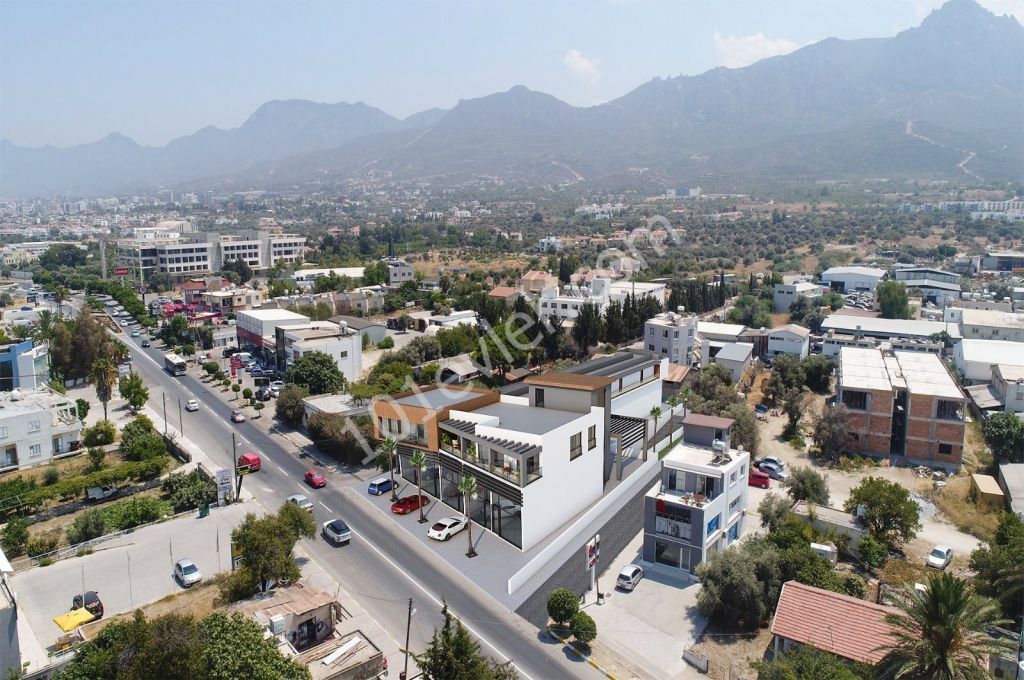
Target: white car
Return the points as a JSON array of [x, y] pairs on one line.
[[187, 573], [301, 501], [445, 528], [629, 576], [135, 334], [124, 324], [939, 557], [337, 532], [192, 405]]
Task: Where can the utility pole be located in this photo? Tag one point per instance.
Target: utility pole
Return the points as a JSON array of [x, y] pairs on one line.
[[234, 462], [165, 412], [103, 258], [408, 627], [181, 423]]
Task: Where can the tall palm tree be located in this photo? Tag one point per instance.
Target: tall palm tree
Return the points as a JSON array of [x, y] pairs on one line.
[[386, 461], [103, 374], [467, 487], [60, 296], [941, 634], [45, 322], [655, 413], [673, 403], [418, 460]]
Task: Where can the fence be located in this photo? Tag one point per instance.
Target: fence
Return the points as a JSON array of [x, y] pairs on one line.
[[696, 660]]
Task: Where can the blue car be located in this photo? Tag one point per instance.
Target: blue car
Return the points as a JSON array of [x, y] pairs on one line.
[[26, 308], [379, 486]]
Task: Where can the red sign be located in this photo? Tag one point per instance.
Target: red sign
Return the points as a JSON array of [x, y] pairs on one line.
[[121, 271]]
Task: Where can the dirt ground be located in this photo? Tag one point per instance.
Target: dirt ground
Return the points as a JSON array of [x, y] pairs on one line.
[[198, 601], [731, 654]]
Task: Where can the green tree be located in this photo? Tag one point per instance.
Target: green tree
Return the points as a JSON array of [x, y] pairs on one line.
[[1004, 433], [235, 647], [453, 654], [62, 255], [583, 628], [587, 328], [317, 372], [942, 632], [134, 390], [787, 374], [750, 311], [236, 388], [830, 431], [467, 489], [240, 267], [96, 456], [418, 461], [188, 490], [504, 347], [892, 300], [289, 406], [740, 586], [774, 509], [266, 547], [809, 663], [562, 605], [375, 274], [794, 404], [87, 526], [386, 461], [656, 414], [807, 484], [82, 408], [15, 536], [100, 434], [890, 513], [104, 375], [818, 372], [999, 564], [673, 403]]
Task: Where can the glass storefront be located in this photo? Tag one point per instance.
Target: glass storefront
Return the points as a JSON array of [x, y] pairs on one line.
[[450, 488], [428, 477], [507, 520]]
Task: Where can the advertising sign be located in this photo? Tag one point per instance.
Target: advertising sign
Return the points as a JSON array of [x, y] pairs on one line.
[[121, 271]]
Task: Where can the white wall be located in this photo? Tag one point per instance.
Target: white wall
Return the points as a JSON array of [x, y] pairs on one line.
[[346, 350], [735, 368], [785, 344]]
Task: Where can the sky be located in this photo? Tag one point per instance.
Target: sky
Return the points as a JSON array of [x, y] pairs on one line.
[[74, 71]]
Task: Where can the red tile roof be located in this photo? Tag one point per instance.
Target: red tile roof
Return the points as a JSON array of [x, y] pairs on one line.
[[502, 292], [839, 624]]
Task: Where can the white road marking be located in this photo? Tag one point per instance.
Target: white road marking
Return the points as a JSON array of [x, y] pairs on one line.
[[299, 484], [325, 507], [279, 469]]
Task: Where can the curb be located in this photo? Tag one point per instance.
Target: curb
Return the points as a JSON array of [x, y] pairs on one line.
[[580, 654]]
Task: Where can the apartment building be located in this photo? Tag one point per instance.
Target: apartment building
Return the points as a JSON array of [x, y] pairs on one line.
[[183, 256], [901, 404], [785, 294], [233, 300], [36, 427], [789, 339], [671, 335], [337, 341], [24, 365], [566, 303], [399, 272], [698, 506]]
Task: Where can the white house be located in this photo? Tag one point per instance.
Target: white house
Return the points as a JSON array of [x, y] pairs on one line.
[[337, 341], [785, 294], [987, 324], [849, 279], [975, 358], [399, 272], [36, 427], [672, 335], [789, 339], [253, 325], [735, 357]]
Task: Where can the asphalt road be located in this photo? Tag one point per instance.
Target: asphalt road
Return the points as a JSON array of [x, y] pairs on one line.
[[381, 569]]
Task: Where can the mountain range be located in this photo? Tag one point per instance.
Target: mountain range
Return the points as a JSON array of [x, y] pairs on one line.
[[940, 100]]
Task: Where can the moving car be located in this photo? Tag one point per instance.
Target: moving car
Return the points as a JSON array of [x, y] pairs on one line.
[[379, 486], [940, 557], [443, 529], [192, 405], [403, 506], [124, 324], [249, 462], [759, 479], [629, 576], [91, 602], [26, 308], [301, 501], [135, 334], [337, 532], [187, 573], [315, 479], [237, 417], [772, 470], [145, 344]]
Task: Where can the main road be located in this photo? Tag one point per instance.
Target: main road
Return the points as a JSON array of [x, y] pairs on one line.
[[381, 568]]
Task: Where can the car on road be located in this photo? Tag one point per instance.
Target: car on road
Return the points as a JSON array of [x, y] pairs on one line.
[[940, 557], [26, 308], [249, 462], [301, 501], [379, 486], [124, 324], [629, 576], [145, 344], [405, 505], [443, 529], [192, 405], [772, 470], [759, 479], [135, 334], [774, 460], [237, 417], [91, 601], [315, 479], [187, 573], [337, 532]]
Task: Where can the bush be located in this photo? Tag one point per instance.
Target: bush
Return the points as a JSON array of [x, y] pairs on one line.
[[15, 537], [145, 447], [82, 408], [387, 343], [96, 456], [336, 435], [50, 476], [871, 550], [854, 586], [583, 628], [563, 605], [133, 512], [87, 526], [75, 486], [187, 491], [41, 545], [100, 434], [289, 406]]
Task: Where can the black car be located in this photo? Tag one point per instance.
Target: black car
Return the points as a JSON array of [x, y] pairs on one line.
[[91, 603], [146, 343]]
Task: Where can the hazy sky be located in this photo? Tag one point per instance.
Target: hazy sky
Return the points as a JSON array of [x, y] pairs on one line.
[[73, 71]]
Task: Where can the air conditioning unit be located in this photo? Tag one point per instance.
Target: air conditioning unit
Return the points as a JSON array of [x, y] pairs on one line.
[[719, 446], [277, 624]]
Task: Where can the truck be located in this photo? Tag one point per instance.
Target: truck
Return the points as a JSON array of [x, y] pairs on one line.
[[98, 493]]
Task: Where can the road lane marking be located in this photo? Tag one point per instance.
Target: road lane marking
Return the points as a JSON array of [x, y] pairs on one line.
[[299, 484], [279, 469], [325, 507]]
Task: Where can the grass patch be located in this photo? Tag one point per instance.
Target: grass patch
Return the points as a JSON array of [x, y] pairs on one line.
[[854, 463], [797, 442], [953, 501], [977, 456]]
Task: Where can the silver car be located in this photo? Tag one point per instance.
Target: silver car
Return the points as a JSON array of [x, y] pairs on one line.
[[630, 575], [187, 573], [301, 501]]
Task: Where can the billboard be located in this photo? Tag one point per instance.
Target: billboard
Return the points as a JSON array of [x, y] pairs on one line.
[[121, 271]]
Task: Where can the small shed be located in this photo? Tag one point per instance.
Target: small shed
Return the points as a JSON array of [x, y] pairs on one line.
[[986, 491]]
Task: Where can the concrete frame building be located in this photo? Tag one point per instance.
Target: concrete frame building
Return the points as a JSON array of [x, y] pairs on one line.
[[36, 427], [785, 294], [337, 341], [672, 335], [24, 365], [789, 339]]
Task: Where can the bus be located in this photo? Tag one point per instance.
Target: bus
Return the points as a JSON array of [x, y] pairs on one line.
[[174, 364]]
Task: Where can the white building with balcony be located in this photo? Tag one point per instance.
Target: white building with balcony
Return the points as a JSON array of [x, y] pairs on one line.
[[671, 335], [335, 340], [36, 427]]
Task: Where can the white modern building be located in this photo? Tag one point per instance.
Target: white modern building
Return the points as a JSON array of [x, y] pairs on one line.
[[735, 357], [566, 305], [976, 358], [618, 290], [182, 256], [253, 325], [36, 426], [908, 274], [307, 276], [789, 339], [399, 272], [785, 294], [672, 335], [335, 340], [24, 365], [887, 329], [852, 278], [987, 324]]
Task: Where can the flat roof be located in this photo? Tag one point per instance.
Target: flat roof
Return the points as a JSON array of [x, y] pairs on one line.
[[570, 381], [873, 272], [715, 328], [700, 420], [272, 314], [792, 328], [736, 351], [1003, 352], [922, 373], [437, 398], [991, 317], [931, 283], [925, 373], [355, 322], [529, 419], [861, 368], [986, 484], [891, 327], [616, 365]]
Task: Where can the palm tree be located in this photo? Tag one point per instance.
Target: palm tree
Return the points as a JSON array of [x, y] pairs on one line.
[[104, 374], [941, 633], [60, 296], [46, 322], [655, 413], [673, 403], [467, 487], [386, 461], [418, 460]]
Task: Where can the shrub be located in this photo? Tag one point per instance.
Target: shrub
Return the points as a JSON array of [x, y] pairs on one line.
[[100, 434], [40, 545], [75, 486], [87, 526], [387, 343], [145, 447], [133, 512], [563, 605], [50, 476], [96, 456], [583, 628], [82, 408], [15, 537], [289, 406], [45, 561], [853, 585], [186, 491], [872, 551]]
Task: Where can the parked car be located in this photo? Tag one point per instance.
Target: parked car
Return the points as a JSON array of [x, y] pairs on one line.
[[773, 470], [249, 462], [940, 557], [91, 601], [405, 505], [187, 573], [759, 479], [135, 334], [263, 393], [273, 392], [774, 460], [443, 529], [124, 324], [629, 576], [26, 308], [192, 405], [315, 479], [237, 417], [301, 501], [337, 532], [98, 493], [379, 486]]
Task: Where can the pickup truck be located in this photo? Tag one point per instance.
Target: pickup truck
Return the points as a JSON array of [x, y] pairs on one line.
[[98, 493]]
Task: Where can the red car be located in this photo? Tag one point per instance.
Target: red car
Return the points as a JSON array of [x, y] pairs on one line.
[[758, 478], [315, 479], [403, 506]]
